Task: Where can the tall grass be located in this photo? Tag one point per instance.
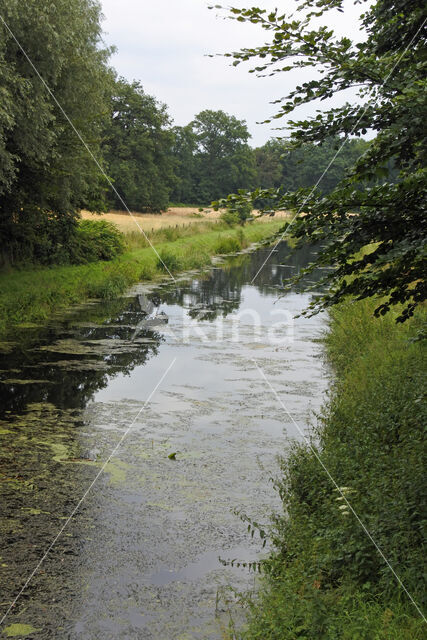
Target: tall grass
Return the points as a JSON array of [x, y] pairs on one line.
[[31, 295], [137, 240], [325, 577]]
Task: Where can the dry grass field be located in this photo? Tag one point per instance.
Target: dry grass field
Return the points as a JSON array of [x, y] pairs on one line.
[[149, 222], [173, 217]]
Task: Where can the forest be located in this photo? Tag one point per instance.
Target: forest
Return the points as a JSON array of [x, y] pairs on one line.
[[56, 96]]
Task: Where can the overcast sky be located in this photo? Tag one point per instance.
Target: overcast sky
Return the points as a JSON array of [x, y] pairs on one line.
[[164, 44]]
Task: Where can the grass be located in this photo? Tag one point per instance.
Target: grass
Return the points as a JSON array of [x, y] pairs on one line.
[[325, 578], [174, 218], [150, 222], [31, 295]]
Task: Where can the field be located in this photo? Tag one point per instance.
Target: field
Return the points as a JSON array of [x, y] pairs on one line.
[[149, 222]]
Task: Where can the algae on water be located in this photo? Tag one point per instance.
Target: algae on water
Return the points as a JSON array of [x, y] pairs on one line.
[[19, 630]]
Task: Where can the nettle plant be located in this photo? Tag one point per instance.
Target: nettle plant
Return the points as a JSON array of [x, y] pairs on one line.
[[372, 225]]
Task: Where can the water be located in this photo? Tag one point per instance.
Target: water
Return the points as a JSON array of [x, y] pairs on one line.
[[141, 556]]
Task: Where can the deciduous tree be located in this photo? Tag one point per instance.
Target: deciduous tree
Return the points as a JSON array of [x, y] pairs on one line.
[[46, 173], [388, 66], [224, 160], [137, 147]]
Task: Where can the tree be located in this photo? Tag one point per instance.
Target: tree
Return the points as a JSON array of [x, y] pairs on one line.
[[279, 164], [137, 147], [183, 153], [212, 158], [46, 174], [388, 67], [224, 161], [269, 164]]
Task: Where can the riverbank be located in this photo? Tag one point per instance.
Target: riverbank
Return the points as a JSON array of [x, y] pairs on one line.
[[325, 578], [31, 295], [149, 535]]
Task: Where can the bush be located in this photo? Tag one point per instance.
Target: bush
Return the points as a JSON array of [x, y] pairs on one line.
[[229, 244], [230, 218], [170, 260], [116, 278], [97, 240], [237, 213]]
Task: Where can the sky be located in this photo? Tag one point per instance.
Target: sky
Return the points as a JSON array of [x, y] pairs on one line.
[[165, 45]]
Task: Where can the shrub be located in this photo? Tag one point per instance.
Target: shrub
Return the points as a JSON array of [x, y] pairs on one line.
[[97, 240], [230, 218], [237, 213], [116, 280], [170, 260], [229, 244]]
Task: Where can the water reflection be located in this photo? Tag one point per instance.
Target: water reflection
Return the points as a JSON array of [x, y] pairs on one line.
[[68, 362], [140, 557]]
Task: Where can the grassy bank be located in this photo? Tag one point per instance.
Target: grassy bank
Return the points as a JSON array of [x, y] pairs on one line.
[[325, 578], [31, 295]]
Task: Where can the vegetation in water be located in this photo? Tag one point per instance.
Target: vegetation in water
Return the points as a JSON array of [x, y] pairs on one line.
[[326, 576], [18, 630]]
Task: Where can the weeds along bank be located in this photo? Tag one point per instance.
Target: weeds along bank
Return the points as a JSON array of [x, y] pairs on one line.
[[32, 294], [325, 578]]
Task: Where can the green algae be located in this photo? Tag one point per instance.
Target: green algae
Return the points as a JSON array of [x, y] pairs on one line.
[[19, 630], [161, 505], [144, 514], [118, 471], [7, 346]]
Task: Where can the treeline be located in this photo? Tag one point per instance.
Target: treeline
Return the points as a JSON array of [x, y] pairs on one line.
[[73, 135], [212, 159]]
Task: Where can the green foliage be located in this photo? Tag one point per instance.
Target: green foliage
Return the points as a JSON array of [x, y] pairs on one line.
[[325, 577], [110, 287], [97, 240], [237, 213], [46, 173], [230, 218], [137, 146], [212, 158], [30, 295], [381, 199], [170, 260], [185, 165], [227, 244], [294, 610], [279, 164]]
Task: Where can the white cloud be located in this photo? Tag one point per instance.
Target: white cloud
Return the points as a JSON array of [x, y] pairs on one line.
[[165, 46]]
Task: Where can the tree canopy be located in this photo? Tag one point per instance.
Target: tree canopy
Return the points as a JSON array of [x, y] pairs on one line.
[[46, 174], [213, 157], [372, 224], [280, 164], [137, 148]]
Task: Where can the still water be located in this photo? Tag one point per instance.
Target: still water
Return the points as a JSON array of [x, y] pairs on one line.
[[141, 557]]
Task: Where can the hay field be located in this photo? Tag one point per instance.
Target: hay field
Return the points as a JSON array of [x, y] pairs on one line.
[[174, 217], [149, 222]]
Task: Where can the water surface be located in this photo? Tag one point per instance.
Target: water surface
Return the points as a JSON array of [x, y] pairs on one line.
[[141, 557]]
